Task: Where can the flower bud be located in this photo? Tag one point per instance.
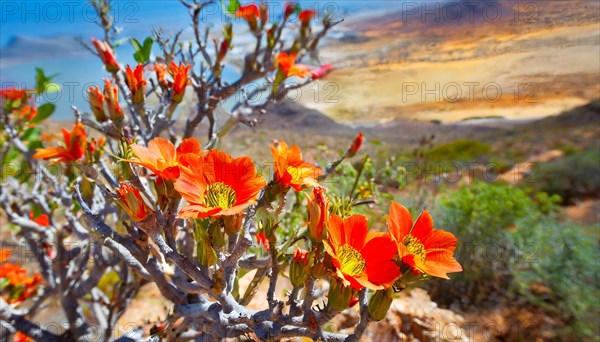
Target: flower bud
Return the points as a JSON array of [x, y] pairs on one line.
[[223, 49], [131, 201], [289, 9], [216, 232], [356, 144], [180, 80], [299, 268], [318, 214], [319, 270], [233, 223], [262, 240], [380, 303], [321, 72], [251, 13], [96, 100], [136, 83], [161, 72], [306, 16], [264, 12], [107, 55], [111, 94], [204, 251], [340, 295]]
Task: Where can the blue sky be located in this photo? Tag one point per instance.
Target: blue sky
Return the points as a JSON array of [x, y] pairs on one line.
[[41, 34]]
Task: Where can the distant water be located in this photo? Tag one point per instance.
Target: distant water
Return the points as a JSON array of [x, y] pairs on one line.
[[42, 34]]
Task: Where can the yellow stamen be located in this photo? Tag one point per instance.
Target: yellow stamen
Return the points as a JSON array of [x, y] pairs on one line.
[[296, 173], [351, 261], [219, 195], [415, 247]]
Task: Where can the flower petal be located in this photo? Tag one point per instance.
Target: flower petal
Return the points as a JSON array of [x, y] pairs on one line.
[[423, 227], [399, 221], [356, 229], [189, 145], [335, 231]]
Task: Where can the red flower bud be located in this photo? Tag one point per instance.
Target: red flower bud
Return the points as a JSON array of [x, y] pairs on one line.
[[111, 95], [107, 55], [261, 238], [289, 9], [306, 16], [131, 201], [356, 144], [251, 13], [299, 269], [318, 214], [136, 83], [322, 71], [96, 100]]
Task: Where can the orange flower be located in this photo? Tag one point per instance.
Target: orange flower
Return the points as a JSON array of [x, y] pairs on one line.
[[42, 220], [131, 201], [4, 253], [306, 16], [136, 83], [218, 185], [107, 55], [162, 158], [180, 80], [356, 144], [361, 259], [425, 249], [12, 94], [111, 95], [161, 72], [290, 169], [262, 240], [28, 112], [96, 100], [301, 255], [286, 63], [20, 337], [318, 214], [13, 272], [250, 13], [74, 147]]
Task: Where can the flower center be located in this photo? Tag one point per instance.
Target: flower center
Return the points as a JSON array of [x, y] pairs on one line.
[[295, 172], [415, 247], [219, 195], [351, 261]]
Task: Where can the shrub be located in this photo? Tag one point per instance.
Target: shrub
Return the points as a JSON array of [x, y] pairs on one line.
[[482, 216], [557, 269], [572, 176], [459, 150]]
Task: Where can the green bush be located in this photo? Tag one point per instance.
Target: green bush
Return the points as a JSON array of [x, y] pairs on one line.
[[481, 216], [557, 269], [574, 175], [459, 150]]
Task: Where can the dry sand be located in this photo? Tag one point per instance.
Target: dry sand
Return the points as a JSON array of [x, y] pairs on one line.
[[460, 72]]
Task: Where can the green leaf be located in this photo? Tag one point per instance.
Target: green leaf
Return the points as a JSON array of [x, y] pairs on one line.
[[44, 111], [136, 44], [231, 7], [147, 48], [42, 80], [137, 47], [52, 87], [32, 134]]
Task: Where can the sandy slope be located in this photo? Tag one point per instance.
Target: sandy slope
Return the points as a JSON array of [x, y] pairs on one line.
[[456, 71]]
